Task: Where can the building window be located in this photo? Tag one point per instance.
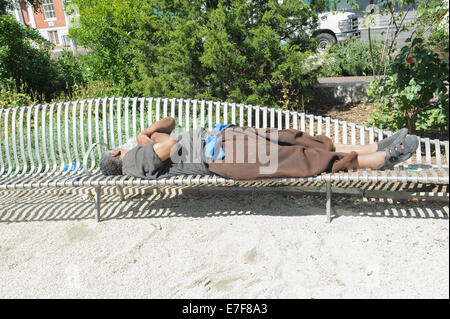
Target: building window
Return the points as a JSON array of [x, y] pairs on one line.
[[53, 37], [49, 9]]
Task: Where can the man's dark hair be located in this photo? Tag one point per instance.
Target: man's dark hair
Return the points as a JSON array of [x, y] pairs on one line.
[[110, 165]]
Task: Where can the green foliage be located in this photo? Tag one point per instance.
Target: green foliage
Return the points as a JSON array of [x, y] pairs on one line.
[[352, 58], [108, 28], [228, 50], [26, 64], [10, 4], [434, 24], [414, 92], [413, 88], [238, 51], [90, 90], [71, 69], [25, 57], [12, 96]]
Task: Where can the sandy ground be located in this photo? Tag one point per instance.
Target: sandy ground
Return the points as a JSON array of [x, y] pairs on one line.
[[176, 244]]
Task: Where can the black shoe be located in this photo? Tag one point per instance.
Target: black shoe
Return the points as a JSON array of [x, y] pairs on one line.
[[400, 152], [394, 139]]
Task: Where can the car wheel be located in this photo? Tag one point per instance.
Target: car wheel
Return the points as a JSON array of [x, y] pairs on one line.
[[325, 40]]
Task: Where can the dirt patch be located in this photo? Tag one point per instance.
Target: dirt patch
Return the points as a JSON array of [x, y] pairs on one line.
[[353, 113]]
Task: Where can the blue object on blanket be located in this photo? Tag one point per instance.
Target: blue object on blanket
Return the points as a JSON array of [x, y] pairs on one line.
[[213, 148]]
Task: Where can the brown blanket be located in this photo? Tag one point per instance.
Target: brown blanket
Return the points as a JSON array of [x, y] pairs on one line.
[[261, 153]]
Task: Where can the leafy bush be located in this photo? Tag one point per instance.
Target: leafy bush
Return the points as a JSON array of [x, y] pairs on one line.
[[25, 57], [239, 51], [108, 28], [90, 90], [71, 69], [248, 52], [414, 93], [434, 24], [352, 58], [329, 66], [6, 5], [13, 96]]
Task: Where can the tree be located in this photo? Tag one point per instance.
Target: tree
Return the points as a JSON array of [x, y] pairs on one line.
[[240, 51], [255, 52], [25, 58], [25, 64], [107, 28], [6, 5]]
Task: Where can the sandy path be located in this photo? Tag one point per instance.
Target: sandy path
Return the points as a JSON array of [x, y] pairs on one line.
[[176, 245]]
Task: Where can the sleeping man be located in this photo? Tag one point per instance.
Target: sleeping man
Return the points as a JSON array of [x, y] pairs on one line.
[[246, 153]]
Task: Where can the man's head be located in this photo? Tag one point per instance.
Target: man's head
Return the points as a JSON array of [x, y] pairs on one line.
[[110, 164]]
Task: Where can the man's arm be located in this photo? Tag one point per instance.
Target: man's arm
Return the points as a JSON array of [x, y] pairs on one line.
[[157, 132], [166, 125], [165, 149]]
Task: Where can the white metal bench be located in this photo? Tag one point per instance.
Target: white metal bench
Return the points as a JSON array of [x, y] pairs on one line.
[[50, 145]]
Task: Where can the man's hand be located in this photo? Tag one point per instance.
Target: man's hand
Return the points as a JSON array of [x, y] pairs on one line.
[[143, 139], [116, 153], [157, 132], [156, 137]]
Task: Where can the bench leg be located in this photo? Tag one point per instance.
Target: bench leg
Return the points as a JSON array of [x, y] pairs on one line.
[[120, 191], [98, 195], [329, 208]]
